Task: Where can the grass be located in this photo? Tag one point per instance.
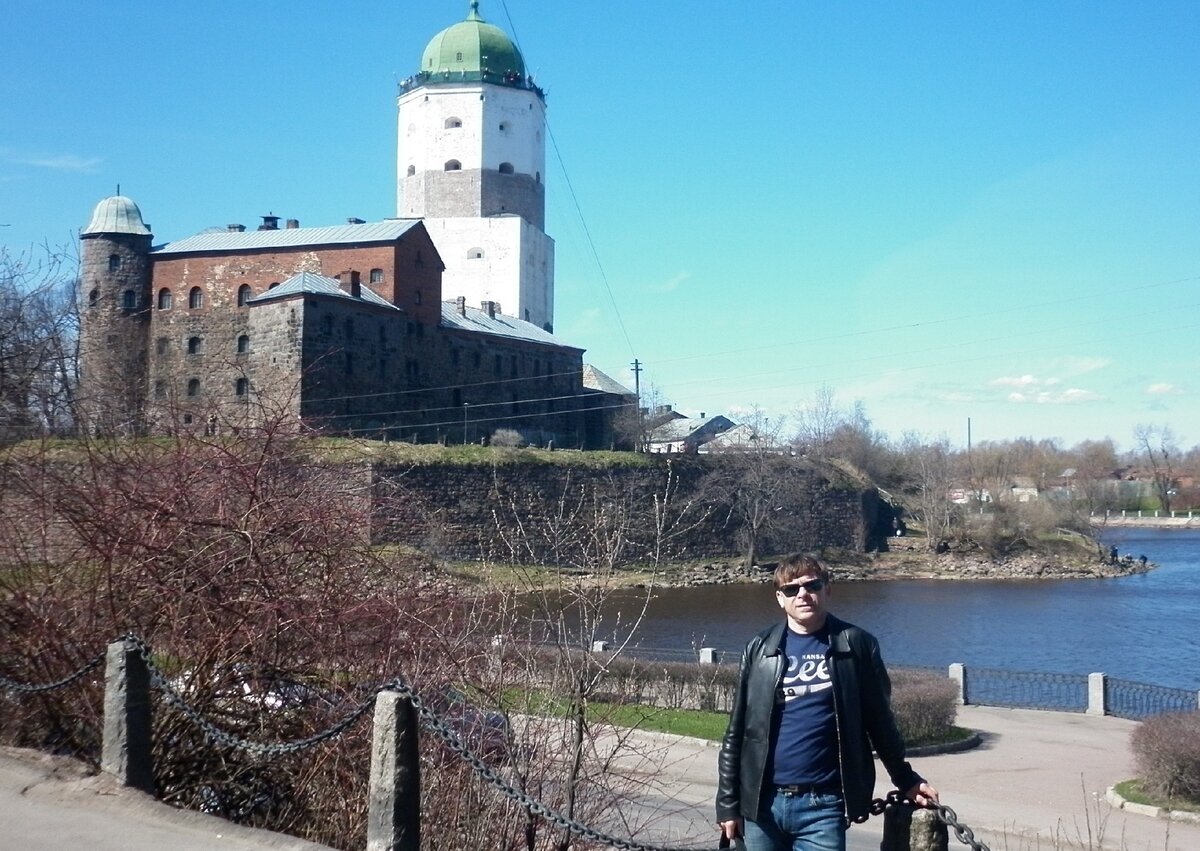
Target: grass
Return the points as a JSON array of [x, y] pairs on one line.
[[1131, 790]]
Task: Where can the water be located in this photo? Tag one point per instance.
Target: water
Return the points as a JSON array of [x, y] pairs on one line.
[[1144, 628]]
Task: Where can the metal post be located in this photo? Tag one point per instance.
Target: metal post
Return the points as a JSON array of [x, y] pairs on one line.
[[394, 795], [906, 828], [125, 747]]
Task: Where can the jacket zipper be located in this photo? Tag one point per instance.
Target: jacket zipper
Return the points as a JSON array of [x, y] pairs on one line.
[[837, 724]]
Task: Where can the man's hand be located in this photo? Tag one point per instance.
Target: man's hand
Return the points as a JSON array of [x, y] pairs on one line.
[[731, 829], [922, 794]]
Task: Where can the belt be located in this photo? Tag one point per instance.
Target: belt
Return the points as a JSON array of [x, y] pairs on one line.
[[795, 790]]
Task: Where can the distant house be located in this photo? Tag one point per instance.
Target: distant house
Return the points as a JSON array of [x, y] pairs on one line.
[[687, 434], [606, 404], [741, 438]]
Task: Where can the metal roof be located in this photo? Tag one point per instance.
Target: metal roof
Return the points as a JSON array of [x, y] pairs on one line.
[[500, 325], [310, 283], [226, 240], [117, 214], [594, 379]]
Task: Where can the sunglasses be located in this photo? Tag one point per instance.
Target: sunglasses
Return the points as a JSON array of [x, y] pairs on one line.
[[813, 586]]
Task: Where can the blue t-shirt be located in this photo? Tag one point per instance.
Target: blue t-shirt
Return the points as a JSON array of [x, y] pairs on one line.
[[804, 728]]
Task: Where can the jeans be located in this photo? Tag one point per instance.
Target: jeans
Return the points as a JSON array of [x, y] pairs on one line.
[[807, 822]]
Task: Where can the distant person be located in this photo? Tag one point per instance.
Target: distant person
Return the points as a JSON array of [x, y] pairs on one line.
[[1112, 554], [1142, 560], [813, 699]]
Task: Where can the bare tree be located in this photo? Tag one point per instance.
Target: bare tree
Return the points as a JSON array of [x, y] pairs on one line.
[[817, 422], [932, 473], [1159, 451], [39, 338]]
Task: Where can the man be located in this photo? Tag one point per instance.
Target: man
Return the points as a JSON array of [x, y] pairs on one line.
[[813, 699]]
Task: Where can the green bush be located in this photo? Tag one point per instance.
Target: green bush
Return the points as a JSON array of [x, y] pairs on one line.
[[925, 705], [1167, 750]]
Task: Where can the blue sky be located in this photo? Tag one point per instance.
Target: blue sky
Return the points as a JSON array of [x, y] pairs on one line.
[[942, 209]]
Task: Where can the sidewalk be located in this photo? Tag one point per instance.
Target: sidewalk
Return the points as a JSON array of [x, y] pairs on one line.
[[1036, 784]]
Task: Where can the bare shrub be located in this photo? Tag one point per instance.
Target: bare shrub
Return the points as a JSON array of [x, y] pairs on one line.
[[1167, 751], [508, 438], [925, 705]]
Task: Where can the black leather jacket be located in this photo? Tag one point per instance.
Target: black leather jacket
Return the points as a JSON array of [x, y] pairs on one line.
[[862, 705]]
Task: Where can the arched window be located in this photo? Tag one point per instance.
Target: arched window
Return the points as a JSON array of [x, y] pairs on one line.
[[453, 122], [274, 284], [458, 56], [453, 165], [196, 298], [195, 345], [506, 168], [164, 299], [412, 169], [129, 300], [243, 344], [193, 388], [241, 387], [244, 295], [475, 254], [160, 389], [93, 298], [376, 276], [114, 262]]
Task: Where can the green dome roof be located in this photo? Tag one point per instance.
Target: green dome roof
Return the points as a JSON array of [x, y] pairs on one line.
[[473, 47]]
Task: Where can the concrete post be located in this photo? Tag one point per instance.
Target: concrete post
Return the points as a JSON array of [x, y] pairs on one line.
[[708, 655], [906, 828], [125, 747], [599, 646], [1096, 695], [394, 794], [958, 673]]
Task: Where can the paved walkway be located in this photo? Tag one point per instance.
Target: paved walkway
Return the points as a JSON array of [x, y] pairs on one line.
[[1037, 783]]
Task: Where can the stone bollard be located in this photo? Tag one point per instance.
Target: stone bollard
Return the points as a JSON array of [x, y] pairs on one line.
[[125, 748], [1096, 704], [907, 828], [394, 794], [958, 673], [708, 655], [599, 646]]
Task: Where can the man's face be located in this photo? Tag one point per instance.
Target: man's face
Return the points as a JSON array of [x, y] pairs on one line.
[[807, 607]]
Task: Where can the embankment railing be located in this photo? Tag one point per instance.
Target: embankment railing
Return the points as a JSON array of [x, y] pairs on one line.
[[131, 677]]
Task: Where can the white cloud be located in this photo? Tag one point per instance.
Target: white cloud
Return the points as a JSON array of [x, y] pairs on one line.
[[59, 162], [672, 283], [1071, 396], [1162, 388], [1015, 381]]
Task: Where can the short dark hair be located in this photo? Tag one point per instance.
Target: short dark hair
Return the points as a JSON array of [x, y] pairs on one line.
[[800, 564]]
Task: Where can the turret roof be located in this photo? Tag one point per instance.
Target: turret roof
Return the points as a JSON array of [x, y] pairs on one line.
[[117, 214]]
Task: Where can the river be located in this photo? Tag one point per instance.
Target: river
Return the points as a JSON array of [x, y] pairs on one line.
[[1144, 628]]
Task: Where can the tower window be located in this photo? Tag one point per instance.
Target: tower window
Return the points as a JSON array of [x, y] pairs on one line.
[[475, 254], [243, 344], [160, 389], [129, 300], [164, 299], [503, 127], [195, 345], [506, 168], [161, 345], [412, 169], [274, 284], [196, 298], [244, 295], [453, 122], [114, 262], [453, 165], [241, 386], [93, 298], [193, 387], [376, 276]]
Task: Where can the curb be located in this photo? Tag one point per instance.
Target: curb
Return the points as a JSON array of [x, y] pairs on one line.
[[1119, 803], [969, 743]]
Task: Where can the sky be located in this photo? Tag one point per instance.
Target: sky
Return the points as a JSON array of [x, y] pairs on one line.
[[949, 212]]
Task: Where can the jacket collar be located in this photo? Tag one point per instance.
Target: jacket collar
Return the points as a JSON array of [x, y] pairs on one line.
[[839, 642]]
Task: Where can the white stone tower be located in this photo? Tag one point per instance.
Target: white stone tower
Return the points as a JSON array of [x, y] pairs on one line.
[[472, 164]]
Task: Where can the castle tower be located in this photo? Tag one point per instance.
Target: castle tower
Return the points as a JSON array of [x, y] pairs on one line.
[[471, 162], [114, 304]]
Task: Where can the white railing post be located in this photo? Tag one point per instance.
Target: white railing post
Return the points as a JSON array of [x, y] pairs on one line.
[[958, 673], [1096, 704]]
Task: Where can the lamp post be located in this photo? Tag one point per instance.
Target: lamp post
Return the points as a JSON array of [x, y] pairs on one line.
[[466, 406]]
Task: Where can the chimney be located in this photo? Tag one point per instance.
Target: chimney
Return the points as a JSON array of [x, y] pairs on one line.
[[702, 415], [270, 222], [460, 304], [235, 228], [496, 307], [355, 220], [355, 284], [489, 307], [292, 224]]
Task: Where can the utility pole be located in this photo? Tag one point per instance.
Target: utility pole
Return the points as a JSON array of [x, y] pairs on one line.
[[637, 390]]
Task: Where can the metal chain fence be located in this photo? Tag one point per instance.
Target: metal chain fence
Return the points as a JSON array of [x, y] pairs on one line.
[[432, 721]]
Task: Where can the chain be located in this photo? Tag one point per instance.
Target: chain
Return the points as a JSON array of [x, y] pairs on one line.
[[946, 815], [33, 688]]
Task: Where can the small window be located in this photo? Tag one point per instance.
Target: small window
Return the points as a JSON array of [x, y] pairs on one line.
[[327, 324], [475, 254], [503, 127], [164, 299], [453, 165], [376, 276], [506, 168], [241, 386], [453, 123], [348, 329], [160, 389], [412, 169], [129, 300], [196, 298], [496, 365], [193, 387], [187, 419], [195, 345], [243, 344], [114, 262], [244, 295], [274, 284], [93, 298], [161, 345]]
